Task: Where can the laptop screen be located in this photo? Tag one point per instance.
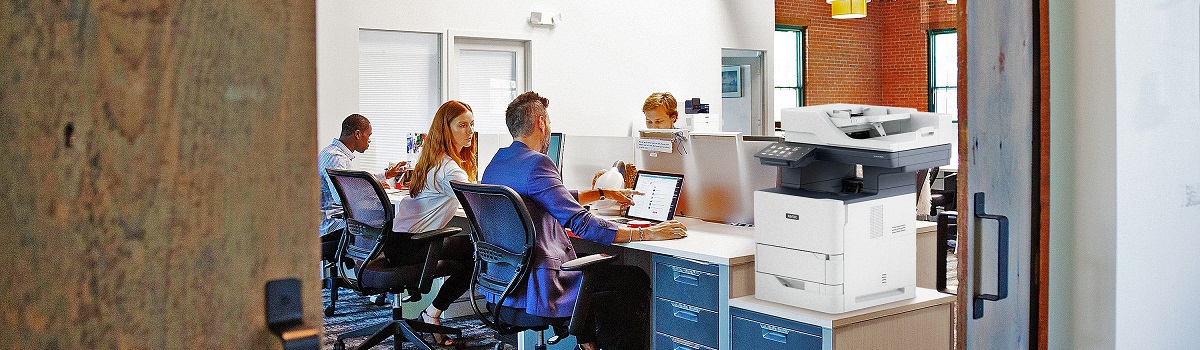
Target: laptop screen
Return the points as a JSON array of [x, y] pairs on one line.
[[660, 195]]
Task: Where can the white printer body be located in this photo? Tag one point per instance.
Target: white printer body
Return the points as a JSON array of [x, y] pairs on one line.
[[838, 234]]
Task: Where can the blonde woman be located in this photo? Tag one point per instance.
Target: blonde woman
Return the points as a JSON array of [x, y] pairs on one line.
[[449, 153]]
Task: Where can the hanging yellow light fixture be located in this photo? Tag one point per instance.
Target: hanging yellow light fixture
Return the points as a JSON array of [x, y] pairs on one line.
[[843, 9]]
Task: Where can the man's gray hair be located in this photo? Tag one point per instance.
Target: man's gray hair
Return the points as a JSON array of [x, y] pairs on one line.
[[522, 113]]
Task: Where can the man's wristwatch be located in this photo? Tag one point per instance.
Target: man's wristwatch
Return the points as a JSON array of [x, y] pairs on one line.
[[601, 193]]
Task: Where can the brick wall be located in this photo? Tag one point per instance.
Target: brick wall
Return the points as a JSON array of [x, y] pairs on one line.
[[881, 59]]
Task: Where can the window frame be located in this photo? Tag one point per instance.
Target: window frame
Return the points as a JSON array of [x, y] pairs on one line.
[[801, 59], [932, 69]]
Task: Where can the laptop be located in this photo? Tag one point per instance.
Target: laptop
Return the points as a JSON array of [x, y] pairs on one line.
[[659, 198]]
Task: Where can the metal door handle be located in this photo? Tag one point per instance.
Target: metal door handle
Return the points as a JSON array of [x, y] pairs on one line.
[[942, 245], [1001, 261]]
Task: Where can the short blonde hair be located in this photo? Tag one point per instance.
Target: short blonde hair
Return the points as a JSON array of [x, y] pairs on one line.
[[661, 99]]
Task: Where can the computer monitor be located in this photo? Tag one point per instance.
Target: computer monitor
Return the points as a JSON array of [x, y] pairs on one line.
[[556, 149], [722, 174]]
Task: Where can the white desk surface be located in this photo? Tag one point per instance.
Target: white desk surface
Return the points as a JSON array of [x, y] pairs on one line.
[[924, 298], [926, 227], [706, 241]]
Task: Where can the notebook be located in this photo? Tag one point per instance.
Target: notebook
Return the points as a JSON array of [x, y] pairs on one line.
[[660, 195]]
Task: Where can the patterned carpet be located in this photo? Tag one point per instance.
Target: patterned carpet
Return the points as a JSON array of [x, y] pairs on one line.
[[354, 311]]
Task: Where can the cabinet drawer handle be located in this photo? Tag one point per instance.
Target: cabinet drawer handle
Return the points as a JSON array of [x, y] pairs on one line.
[[688, 279], [774, 336], [687, 315]]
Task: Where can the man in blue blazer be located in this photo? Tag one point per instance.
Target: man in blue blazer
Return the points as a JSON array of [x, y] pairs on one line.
[[524, 167]]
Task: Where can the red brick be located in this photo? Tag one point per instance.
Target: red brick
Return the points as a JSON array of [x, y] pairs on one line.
[[881, 59]]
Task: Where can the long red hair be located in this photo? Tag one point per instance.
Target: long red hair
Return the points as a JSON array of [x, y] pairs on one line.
[[438, 143]]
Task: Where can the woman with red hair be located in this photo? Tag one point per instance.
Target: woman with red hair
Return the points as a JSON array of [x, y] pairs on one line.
[[448, 153]]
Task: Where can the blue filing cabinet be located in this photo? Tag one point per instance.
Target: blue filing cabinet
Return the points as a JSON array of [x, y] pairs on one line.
[[752, 330], [693, 280], [688, 299]]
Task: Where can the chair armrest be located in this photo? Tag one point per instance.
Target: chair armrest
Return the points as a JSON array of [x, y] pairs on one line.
[[584, 263], [436, 234]]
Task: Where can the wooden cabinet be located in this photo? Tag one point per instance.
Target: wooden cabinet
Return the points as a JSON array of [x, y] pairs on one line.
[[924, 322]]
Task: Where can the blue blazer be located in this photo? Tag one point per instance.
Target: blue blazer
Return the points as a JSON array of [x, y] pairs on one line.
[[550, 291]]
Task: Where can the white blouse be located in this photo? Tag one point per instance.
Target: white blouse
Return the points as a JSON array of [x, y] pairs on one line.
[[435, 205]]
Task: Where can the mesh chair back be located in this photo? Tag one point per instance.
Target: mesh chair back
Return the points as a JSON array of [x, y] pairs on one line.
[[503, 233], [368, 214]]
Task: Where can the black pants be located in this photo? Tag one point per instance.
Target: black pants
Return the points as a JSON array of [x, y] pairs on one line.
[[456, 261], [457, 248], [620, 307]]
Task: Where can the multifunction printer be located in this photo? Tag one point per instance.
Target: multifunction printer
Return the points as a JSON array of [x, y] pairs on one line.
[[838, 234]]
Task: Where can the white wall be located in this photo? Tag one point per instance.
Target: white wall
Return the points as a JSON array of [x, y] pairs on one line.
[[596, 66], [1158, 173], [1083, 181], [1125, 185]]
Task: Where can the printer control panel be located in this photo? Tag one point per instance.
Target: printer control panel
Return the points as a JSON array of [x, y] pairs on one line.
[[784, 154]]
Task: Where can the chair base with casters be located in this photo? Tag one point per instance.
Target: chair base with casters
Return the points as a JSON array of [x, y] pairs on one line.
[[399, 328]]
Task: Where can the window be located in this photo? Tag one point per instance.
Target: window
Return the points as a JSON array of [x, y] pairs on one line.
[[789, 69], [399, 89], [943, 71], [487, 74]]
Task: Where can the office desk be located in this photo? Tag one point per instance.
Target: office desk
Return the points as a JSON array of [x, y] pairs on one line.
[[926, 254], [693, 279]]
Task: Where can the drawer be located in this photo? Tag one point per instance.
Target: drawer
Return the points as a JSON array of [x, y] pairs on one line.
[[666, 342], [686, 322], [799, 264], [751, 330], [686, 282]]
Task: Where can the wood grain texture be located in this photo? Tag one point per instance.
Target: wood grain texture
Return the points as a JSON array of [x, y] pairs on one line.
[[927, 328], [190, 183], [1002, 66]]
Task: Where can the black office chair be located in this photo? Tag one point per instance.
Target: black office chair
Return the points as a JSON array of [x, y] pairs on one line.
[[503, 233], [329, 260], [410, 265]]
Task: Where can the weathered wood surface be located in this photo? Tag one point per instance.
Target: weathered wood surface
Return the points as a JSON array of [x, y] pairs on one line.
[[998, 120], [190, 182]]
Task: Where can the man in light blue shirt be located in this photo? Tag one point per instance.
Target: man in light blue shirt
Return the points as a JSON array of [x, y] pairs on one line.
[[355, 137]]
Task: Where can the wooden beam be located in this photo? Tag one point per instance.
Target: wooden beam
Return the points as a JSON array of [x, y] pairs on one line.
[[1043, 253], [159, 170]]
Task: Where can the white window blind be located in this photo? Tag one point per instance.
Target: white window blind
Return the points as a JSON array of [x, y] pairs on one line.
[[487, 80], [399, 89]]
